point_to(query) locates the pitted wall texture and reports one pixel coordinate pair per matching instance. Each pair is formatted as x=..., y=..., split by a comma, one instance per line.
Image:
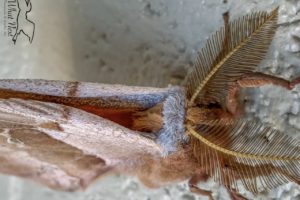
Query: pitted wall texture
x=146, y=43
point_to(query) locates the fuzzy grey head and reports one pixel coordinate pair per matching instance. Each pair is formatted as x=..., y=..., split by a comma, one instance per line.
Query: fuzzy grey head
x=173, y=131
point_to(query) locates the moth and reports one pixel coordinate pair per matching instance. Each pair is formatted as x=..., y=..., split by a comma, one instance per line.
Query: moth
x=65, y=135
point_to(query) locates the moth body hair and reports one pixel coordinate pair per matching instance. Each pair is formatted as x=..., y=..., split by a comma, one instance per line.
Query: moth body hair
x=173, y=131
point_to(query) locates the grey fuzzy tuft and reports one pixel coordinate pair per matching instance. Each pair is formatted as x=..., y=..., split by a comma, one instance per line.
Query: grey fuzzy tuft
x=173, y=131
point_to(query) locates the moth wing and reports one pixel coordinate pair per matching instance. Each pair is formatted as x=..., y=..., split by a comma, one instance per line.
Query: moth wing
x=63, y=147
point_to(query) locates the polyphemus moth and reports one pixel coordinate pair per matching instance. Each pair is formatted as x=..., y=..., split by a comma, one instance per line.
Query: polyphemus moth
x=67, y=134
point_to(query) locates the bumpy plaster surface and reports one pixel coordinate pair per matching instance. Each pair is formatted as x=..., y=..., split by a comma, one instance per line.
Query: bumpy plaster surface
x=149, y=43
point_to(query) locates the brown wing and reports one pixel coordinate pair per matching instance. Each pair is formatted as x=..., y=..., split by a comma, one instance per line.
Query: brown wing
x=63, y=147
x=124, y=105
x=66, y=134
x=114, y=102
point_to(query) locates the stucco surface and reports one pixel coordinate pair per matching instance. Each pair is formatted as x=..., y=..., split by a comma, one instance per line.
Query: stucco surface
x=146, y=43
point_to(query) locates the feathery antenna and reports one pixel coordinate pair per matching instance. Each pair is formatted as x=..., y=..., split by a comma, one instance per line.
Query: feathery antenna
x=246, y=151
x=234, y=50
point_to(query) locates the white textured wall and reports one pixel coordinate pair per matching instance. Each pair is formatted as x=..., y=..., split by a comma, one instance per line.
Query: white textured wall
x=145, y=42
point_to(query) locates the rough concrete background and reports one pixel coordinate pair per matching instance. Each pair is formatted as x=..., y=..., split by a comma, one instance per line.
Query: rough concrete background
x=146, y=42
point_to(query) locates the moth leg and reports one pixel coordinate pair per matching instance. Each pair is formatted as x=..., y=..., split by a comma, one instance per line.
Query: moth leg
x=235, y=195
x=203, y=177
x=206, y=115
x=251, y=81
x=195, y=189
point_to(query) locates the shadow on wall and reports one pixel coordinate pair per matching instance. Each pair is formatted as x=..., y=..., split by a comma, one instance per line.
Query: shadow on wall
x=147, y=43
